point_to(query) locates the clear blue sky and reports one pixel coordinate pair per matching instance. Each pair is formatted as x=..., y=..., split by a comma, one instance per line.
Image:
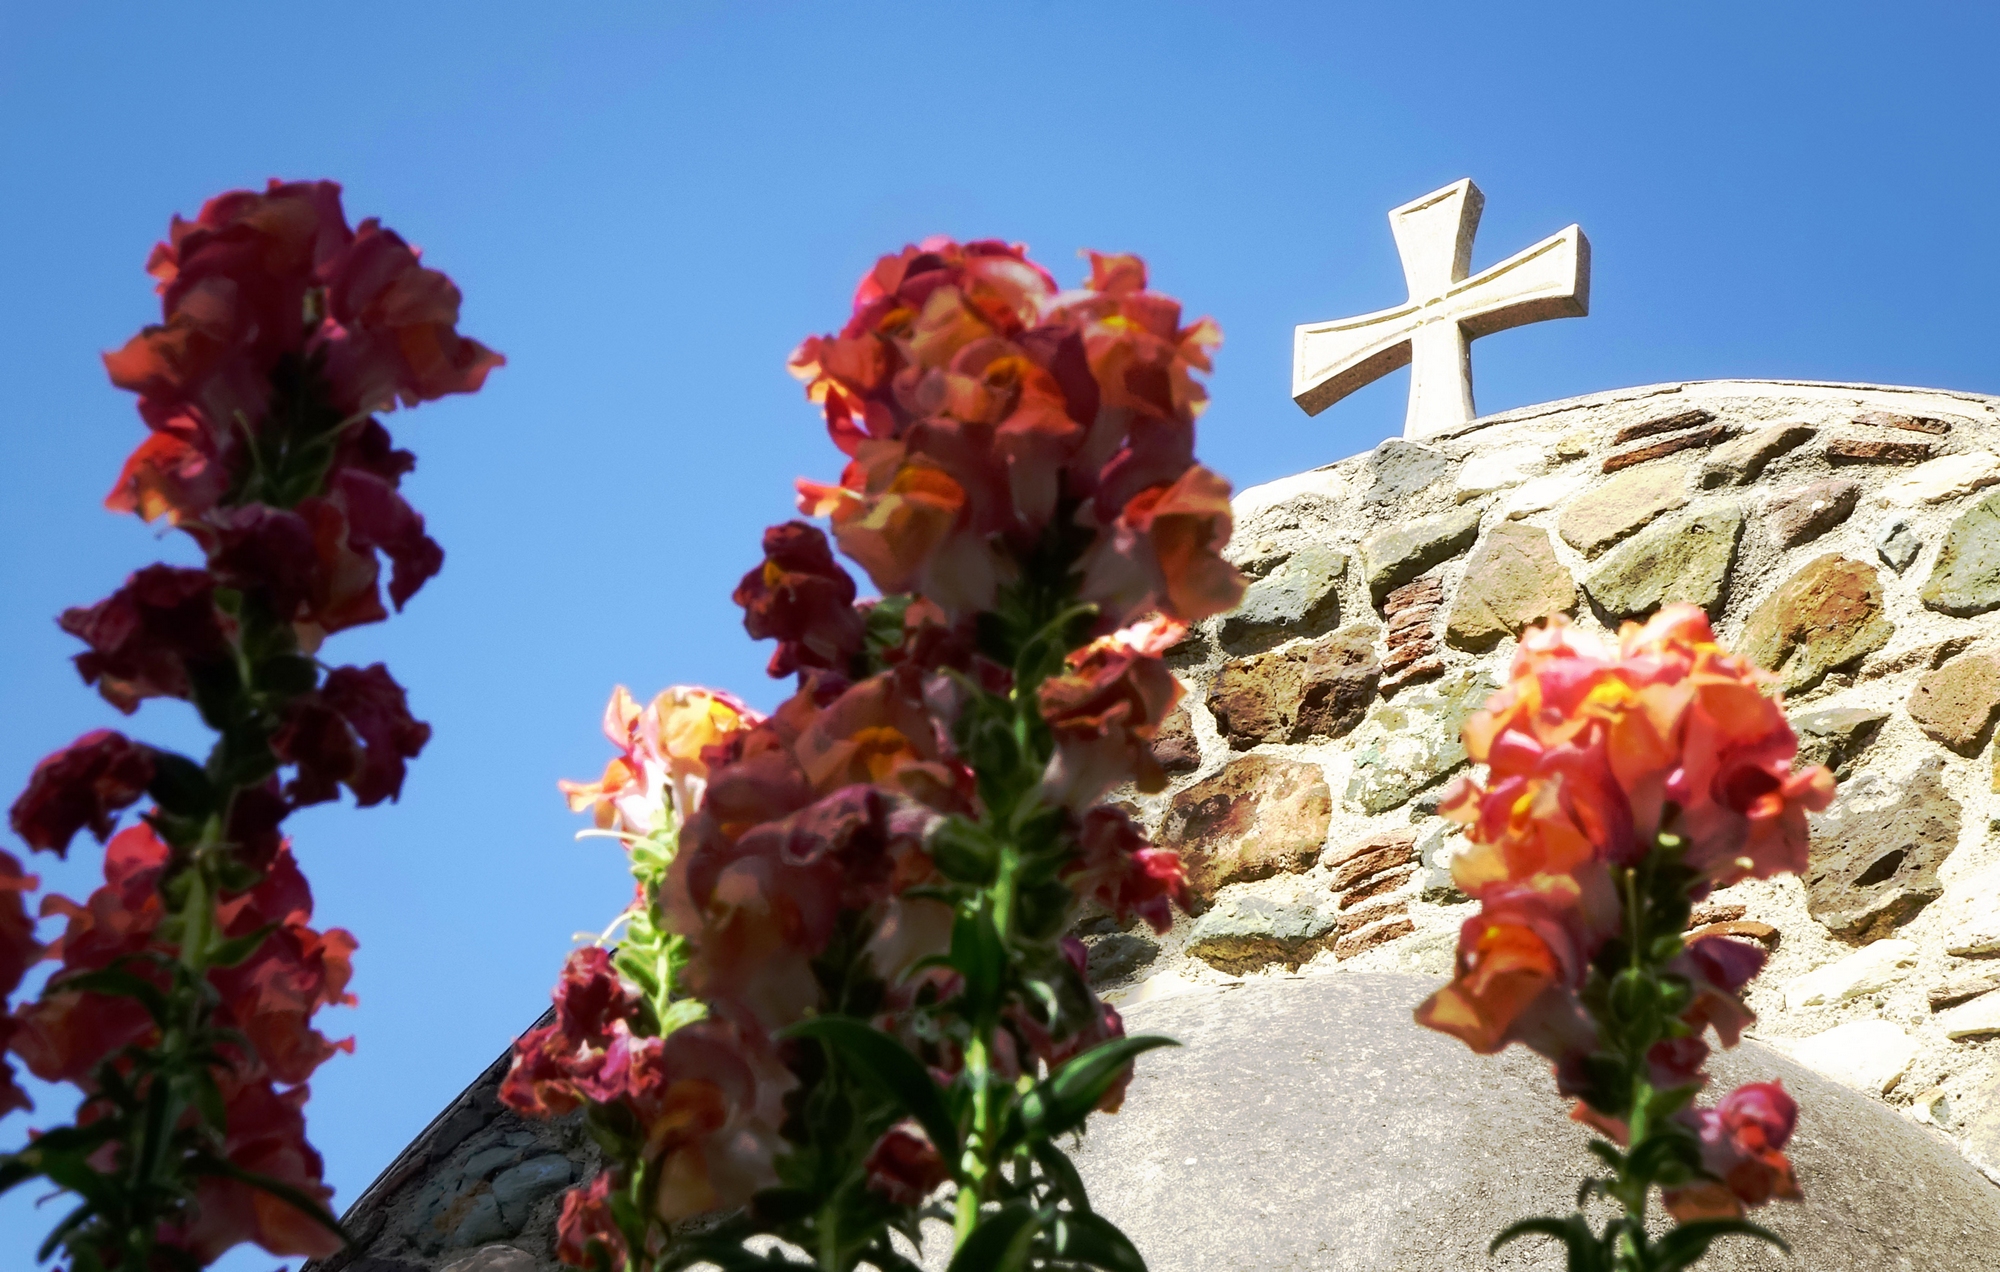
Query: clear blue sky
x=648, y=205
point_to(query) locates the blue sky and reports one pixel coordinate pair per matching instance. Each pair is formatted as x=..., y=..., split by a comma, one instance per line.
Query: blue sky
x=647, y=206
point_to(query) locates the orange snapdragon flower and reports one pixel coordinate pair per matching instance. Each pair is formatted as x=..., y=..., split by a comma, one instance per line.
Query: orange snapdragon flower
x=1592, y=753
x=659, y=773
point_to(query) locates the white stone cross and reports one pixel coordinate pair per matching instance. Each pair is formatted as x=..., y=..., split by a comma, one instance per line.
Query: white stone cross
x=1446, y=311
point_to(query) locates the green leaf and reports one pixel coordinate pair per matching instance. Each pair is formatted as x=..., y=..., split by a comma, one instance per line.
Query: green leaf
x=1000, y=1242
x=209, y=1164
x=180, y=785
x=71, y=1222
x=979, y=957
x=1686, y=1244
x=237, y=948
x=964, y=853
x=1094, y=1240
x=117, y=984
x=1061, y=1101
x=1061, y=1174
x=1585, y=1254
x=886, y=1067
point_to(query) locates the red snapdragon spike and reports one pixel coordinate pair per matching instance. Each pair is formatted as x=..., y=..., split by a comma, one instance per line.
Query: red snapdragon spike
x=803, y=599
x=707, y=1099
x=65, y=1034
x=233, y=288
x=144, y=637
x=391, y=330
x=265, y=1133
x=19, y=950
x=904, y=1166
x=551, y=1061
x=1118, y=867
x=272, y=995
x=1520, y=961
x=86, y=784
x=171, y=474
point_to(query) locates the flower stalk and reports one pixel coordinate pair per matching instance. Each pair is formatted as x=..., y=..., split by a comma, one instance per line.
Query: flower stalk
x=1623, y=785
x=182, y=1001
x=874, y=884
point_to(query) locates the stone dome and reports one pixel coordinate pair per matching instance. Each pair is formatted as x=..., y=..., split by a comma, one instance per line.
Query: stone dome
x=1846, y=536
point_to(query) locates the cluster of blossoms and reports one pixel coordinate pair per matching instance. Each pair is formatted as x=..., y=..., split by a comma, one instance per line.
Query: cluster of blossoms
x=1623, y=785
x=183, y=992
x=845, y=980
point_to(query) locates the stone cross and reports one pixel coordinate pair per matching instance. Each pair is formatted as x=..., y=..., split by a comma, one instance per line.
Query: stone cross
x=1432, y=331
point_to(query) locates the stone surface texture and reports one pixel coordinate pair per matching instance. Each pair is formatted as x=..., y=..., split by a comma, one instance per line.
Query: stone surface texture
x=1393, y=1149
x=1513, y=579
x=1827, y=615
x=1262, y=815
x=1271, y=822
x=1966, y=579
x=1686, y=557
x=1804, y=513
x=1321, y=688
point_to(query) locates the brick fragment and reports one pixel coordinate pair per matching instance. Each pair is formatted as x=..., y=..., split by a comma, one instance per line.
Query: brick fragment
x=1667, y=424
x=1913, y=423
x=1857, y=450
x=1360, y=942
x=1687, y=441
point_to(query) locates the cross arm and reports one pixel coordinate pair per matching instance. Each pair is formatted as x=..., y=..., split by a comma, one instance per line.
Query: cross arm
x=1549, y=280
x=1332, y=359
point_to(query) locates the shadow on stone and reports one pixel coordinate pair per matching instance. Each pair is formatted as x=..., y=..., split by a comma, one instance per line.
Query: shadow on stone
x=1308, y=1123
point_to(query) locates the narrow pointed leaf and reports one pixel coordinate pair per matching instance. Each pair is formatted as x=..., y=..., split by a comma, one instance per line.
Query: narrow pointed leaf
x=1686, y=1244
x=886, y=1066
x=1064, y=1099
x=1000, y=1242
x=1093, y=1240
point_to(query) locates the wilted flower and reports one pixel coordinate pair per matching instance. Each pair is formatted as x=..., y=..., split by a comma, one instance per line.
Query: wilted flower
x=86, y=784
x=1105, y=710
x=904, y=1165
x=1742, y=1145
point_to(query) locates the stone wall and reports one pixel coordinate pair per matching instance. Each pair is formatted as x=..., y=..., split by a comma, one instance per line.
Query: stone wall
x=1846, y=536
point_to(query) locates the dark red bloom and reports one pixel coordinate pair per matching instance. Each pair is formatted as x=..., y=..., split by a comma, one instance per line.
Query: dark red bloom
x=65, y=1033
x=86, y=783
x=549, y=1061
x=265, y=552
x=586, y=1221
x=803, y=599
x=391, y=330
x=1104, y=711
x=1742, y=1146
x=265, y=1134
x=144, y=637
x=271, y=996
x=355, y=730
x=1118, y=867
x=18, y=951
x=904, y=1166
